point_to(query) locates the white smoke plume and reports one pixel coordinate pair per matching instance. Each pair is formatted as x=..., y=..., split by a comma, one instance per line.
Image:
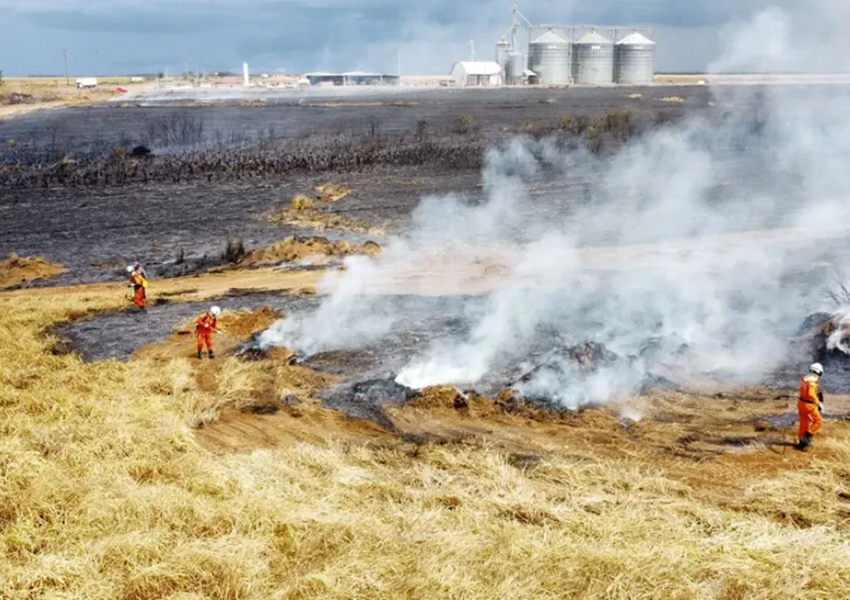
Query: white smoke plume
x=711, y=236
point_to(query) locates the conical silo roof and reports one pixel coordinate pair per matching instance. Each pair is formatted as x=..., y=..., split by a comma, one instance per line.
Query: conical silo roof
x=635, y=39
x=594, y=37
x=550, y=37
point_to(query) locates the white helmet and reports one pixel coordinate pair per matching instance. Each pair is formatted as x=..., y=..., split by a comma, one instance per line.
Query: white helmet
x=817, y=369
x=130, y=268
x=215, y=311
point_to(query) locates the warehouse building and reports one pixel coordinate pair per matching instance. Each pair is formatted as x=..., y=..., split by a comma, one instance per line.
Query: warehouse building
x=478, y=73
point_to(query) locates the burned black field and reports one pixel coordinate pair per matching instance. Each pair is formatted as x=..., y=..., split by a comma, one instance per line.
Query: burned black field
x=173, y=125
x=73, y=193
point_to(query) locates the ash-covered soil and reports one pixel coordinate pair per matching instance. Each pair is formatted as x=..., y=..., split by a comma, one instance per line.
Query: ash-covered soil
x=182, y=228
x=80, y=205
x=95, y=232
x=118, y=335
x=551, y=354
x=171, y=229
x=297, y=116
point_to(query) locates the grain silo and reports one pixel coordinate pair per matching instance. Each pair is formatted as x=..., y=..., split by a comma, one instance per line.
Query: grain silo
x=503, y=53
x=593, y=60
x=634, y=60
x=516, y=68
x=550, y=57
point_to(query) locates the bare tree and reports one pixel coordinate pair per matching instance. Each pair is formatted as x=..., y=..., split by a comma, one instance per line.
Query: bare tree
x=840, y=294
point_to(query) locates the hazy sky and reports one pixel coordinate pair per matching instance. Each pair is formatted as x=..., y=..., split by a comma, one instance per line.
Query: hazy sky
x=129, y=36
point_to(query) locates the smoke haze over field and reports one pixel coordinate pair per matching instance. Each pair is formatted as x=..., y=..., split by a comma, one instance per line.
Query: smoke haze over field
x=670, y=248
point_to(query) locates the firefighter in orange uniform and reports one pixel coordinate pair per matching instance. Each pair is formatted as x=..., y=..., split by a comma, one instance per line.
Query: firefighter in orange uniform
x=810, y=406
x=205, y=326
x=139, y=283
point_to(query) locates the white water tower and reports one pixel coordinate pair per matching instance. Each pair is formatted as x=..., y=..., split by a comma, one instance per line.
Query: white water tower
x=245, y=79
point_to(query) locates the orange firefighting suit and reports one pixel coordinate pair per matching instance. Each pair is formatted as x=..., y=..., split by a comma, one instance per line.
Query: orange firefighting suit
x=139, y=284
x=206, y=326
x=808, y=407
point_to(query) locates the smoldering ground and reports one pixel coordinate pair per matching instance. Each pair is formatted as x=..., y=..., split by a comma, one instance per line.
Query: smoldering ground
x=710, y=241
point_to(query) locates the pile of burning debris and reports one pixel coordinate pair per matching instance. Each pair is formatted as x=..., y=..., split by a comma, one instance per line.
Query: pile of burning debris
x=825, y=338
x=254, y=350
x=826, y=335
x=567, y=378
x=367, y=399
x=590, y=373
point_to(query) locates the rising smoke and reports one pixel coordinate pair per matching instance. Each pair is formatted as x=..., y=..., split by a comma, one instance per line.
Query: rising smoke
x=713, y=236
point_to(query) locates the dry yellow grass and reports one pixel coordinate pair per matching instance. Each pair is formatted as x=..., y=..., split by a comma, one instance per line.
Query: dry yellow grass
x=105, y=493
x=318, y=249
x=53, y=92
x=304, y=211
x=18, y=270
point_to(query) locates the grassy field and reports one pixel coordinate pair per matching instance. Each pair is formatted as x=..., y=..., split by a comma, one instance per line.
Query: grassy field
x=52, y=92
x=107, y=492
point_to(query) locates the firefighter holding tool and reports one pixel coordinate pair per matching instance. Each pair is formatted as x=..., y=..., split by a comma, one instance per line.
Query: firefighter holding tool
x=205, y=326
x=810, y=407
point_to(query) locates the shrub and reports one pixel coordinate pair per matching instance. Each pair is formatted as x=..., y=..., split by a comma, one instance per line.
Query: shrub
x=234, y=251
x=465, y=124
x=421, y=131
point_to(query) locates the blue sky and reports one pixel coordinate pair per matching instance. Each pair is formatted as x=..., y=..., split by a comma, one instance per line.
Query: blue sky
x=131, y=36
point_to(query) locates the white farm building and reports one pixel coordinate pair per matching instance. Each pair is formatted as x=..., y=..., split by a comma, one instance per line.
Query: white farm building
x=466, y=73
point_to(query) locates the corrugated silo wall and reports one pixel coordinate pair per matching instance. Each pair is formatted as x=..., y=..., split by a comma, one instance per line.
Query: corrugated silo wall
x=551, y=62
x=634, y=64
x=593, y=64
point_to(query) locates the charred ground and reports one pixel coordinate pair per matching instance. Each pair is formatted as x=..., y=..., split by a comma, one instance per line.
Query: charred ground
x=76, y=192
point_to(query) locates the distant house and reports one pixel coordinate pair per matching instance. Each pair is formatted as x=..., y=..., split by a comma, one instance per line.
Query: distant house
x=483, y=73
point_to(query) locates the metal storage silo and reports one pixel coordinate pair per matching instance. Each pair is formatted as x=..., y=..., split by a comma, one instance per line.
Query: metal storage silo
x=516, y=68
x=593, y=60
x=634, y=60
x=503, y=53
x=550, y=57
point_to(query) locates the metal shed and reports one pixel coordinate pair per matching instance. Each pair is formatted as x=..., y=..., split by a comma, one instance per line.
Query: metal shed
x=480, y=73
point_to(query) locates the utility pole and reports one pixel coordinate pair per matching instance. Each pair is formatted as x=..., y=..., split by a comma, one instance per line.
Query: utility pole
x=67, y=78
